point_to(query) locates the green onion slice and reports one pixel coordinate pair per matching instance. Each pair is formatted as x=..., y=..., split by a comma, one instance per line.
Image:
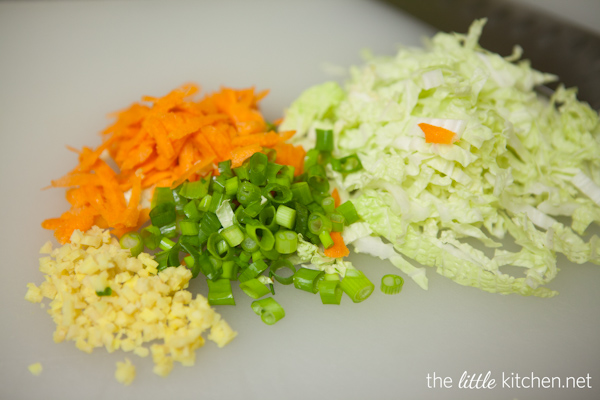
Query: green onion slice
x=356, y=285
x=279, y=265
x=286, y=242
x=132, y=241
x=219, y=292
x=330, y=291
x=308, y=279
x=324, y=140
x=254, y=288
x=391, y=284
x=269, y=310
x=347, y=164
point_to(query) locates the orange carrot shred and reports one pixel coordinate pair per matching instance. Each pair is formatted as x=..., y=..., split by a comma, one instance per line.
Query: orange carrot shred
x=336, y=197
x=164, y=142
x=339, y=248
x=437, y=134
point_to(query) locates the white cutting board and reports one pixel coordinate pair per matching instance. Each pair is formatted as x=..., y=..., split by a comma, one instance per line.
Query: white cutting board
x=65, y=65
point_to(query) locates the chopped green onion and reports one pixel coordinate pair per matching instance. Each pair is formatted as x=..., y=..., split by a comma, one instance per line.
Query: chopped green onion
x=284, y=176
x=162, y=195
x=180, y=201
x=356, y=285
x=261, y=235
x=215, y=202
x=270, y=153
x=163, y=214
x=253, y=270
x=225, y=169
x=324, y=140
x=286, y=242
x=246, y=256
x=308, y=279
x=247, y=193
x=285, y=216
x=302, y=213
x=233, y=235
x=210, y=267
x=315, y=207
x=242, y=172
x=277, y=193
x=217, y=246
x=166, y=244
x=240, y=216
x=208, y=225
x=318, y=223
x=269, y=310
x=282, y=264
x=337, y=221
x=152, y=237
x=132, y=241
x=106, y=292
x=219, y=292
x=272, y=170
x=257, y=255
x=254, y=208
x=328, y=204
x=194, y=190
x=189, y=228
x=204, y=204
x=230, y=270
x=169, y=230
x=194, y=263
x=162, y=259
x=316, y=178
x=254, y=288
x=190, y=240
x=173, y=258
x=330, y=289
x=249, y=245
x=348, y=211
x=391, y=284
x=191, y=211
x=347, y=164
x=231, y=186
x=218, y=183
x=267, y=218
x=272, y=254
x=311, y=158
x=301, y=193
x=326, y=239
x=257, y=168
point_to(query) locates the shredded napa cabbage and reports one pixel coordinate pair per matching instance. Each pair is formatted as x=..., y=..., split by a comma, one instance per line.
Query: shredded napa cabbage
x=521, y=161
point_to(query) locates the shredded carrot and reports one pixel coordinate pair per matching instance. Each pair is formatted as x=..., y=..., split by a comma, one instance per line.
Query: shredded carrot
x=437, y=134
x=336, y=197
x=164, y=142
x=339, y=248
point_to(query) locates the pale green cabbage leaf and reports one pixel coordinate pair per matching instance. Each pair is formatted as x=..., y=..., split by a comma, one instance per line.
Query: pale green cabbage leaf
x=521, y=163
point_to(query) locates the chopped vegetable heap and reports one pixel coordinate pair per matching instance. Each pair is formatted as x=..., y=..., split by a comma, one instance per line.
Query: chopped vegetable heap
x=252, y=220
x=457, y=147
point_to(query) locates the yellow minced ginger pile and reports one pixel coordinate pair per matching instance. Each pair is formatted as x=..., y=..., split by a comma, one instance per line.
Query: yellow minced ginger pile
x=145, y=305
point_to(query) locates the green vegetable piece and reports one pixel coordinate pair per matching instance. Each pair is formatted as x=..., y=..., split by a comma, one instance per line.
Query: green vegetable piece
x=105, y=292
x=391, y=284
x=308, y=279
x=132, y=241
x=269, y=310
x=219, y=292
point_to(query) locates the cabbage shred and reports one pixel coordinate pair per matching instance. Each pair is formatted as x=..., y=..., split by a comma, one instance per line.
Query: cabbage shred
x=520, y=163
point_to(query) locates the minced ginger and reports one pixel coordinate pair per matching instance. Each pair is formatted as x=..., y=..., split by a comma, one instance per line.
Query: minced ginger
x=145, y=305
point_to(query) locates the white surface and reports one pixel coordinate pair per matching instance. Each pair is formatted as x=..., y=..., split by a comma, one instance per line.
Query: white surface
x=64, y=66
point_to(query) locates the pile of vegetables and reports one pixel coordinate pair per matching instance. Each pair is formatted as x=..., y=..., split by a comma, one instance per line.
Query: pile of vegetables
x=457, y=147
x=249, y=220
